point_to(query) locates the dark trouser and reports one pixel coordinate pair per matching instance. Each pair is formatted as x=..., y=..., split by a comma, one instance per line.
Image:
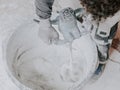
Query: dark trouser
x=44, y=8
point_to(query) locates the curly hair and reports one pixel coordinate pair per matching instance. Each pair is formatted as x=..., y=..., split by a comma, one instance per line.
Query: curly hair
x=101, y=8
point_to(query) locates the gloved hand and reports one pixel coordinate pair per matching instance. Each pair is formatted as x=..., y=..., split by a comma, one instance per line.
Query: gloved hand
x=46, y=32
x=103, y=53
x=67, y=24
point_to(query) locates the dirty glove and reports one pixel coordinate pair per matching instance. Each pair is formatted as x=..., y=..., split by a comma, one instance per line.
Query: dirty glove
x=46, y=32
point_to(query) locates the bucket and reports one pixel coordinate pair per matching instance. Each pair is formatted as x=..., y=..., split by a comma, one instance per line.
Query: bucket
x=34, y=65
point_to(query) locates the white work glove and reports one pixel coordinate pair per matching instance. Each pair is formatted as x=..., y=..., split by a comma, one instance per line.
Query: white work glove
x=46, y=32
x=67, y=24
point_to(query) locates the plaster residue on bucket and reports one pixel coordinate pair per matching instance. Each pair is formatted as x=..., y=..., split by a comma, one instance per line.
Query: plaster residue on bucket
x=48, y=67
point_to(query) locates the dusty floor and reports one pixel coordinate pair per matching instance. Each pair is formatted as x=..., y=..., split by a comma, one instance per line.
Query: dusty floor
x=13, y=13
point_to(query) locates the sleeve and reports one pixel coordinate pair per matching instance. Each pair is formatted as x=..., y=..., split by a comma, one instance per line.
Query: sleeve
x=108, y=27
x=44, y=8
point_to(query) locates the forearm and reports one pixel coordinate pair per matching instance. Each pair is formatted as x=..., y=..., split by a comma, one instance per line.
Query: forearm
x=44, y=8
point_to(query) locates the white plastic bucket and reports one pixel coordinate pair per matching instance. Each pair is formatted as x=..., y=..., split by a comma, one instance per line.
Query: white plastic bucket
x=36, y=65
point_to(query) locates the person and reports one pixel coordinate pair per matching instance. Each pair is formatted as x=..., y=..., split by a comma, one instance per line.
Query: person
x=48, y=34
x=116, y=41
x=105, y=16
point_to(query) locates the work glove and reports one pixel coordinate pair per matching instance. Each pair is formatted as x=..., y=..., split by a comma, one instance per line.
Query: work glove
x=47, y=33
x=67, y=25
